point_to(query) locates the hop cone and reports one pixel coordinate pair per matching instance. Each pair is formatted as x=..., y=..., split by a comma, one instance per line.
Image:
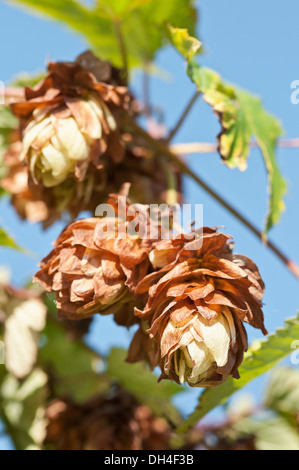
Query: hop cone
x=197, y=303
x=95, y=267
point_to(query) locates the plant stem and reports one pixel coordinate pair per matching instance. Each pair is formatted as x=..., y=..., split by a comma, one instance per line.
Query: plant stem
x=146, y=91
x=122, y=48
x=183, y=116
x=193, y=148
x=206, y=147
x=172, y=194
x=163, y=149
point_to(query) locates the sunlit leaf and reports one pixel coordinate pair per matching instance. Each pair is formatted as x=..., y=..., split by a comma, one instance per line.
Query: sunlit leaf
x=138, y=380
x=75, y=367
x=21, y=336
x=22, y=409
x=139, y=24
x=270, y=434
x=283, y=393
x=187, y=45
x=242, y=118
x=7, y=241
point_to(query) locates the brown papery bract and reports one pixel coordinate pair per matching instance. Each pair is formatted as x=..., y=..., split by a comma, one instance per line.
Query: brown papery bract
x=73, y=149
x=93, y=270
x=36, y=203
x=197, y=303
x=68, y=122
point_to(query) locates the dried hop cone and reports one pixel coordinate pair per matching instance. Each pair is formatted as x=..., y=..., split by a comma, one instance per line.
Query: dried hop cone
x=96, y=265
x=117, y=422
x=197, y=303
x=69, y=120
x=73, y=147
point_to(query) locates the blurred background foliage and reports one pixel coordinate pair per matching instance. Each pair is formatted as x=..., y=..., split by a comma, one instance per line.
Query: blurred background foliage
x=52, y=362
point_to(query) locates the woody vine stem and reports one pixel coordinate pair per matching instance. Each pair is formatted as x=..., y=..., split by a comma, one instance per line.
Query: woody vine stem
x=174, y=152
x=162, y=148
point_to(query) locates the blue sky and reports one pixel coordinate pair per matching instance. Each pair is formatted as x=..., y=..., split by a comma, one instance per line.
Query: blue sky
x=253, y=44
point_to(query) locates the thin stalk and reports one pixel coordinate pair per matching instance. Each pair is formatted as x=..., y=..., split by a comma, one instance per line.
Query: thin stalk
x=207, y=147
x=163, y=149
x=146, y=91
x=172, y=194
x=123, y=49
x=183, y=116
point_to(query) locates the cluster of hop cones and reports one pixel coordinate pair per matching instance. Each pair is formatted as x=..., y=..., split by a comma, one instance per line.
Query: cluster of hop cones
x=188, y=293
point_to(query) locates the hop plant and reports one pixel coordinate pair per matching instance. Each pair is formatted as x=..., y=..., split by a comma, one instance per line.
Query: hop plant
x=72, y=149
x=68, y=121
x=197, y=303
x=96, y=265
x=82, y=134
